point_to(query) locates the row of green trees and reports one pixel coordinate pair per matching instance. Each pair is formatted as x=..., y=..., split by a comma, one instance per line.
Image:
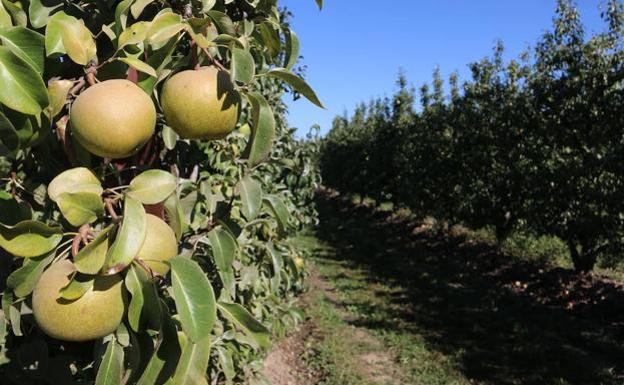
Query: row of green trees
x=536, y=142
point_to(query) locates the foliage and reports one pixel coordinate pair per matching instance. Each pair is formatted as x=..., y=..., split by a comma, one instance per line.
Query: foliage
x=232, y=203
x=536, y=141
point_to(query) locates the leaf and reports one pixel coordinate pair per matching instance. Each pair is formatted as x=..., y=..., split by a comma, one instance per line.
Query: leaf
x=251, y=196
x=25, y=43
x=5, y=18
x=66, y=34
x=270, y=37
x=39, y=14
x=263, y=130
x=111, y=368
x=194, y=298
x=152, y=186
x=137, y=8
x=164, y=27
x=144, y=304
x=319, y=3
x=22, y=88
x=77, y=287
x=139, y=65
x=224, y=248
x=8, y=135
x=244, y=320
x=57, y=94
x=297, y=83
x=80, y=207
x=90, y=258
x=292, y=49
x=280, y=211
x=193, y=363
x=175, y=214
x=223, y=22
x=79, y=179
x=17, y=13
x=170, y=137
x=163, y=362
x=29, y=238
x=129, y=239
x=136, y=34
x=243, y=65
x=12, y=211
x=23, y=280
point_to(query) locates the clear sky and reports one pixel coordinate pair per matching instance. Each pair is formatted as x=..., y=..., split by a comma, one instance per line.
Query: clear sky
x=354, y=48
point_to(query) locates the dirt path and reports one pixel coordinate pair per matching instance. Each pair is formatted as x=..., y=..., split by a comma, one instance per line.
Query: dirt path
x=293, y=360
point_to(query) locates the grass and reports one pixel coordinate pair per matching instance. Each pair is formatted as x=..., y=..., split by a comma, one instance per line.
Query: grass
x=455, y=310
x=342, y=315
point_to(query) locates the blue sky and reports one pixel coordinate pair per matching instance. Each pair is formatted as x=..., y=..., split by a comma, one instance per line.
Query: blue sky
x=354, y=48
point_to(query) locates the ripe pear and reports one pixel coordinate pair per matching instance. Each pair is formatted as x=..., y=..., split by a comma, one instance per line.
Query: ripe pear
x=201, y=104
x=159, y=246
x=113, y=119
x=94, y=315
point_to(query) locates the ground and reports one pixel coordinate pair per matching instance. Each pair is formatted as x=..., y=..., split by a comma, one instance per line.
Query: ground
x=391, y=302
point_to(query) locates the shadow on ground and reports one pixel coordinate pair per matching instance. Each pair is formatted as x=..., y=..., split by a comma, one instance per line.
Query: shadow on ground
x=505, y=322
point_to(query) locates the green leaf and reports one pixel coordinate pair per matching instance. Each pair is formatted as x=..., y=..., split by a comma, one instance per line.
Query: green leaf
x=164, y=27
x=66, y=34
x=57, y=94
x=292, y=49
x=136, y=34
x=111, y=368
x=270, y=37
x=5, y=18
x=8, y=135
x=39, y=14
x=77, y=287
x=223, y=22
x=319, y=3
x=163, y=362
x=194, y=298
x=12, y=211
x=297, y=83
x=23, y=280
x=22, y=88
x=193, y=363
x=243, y=65
x=79, y=179
x=251, y=196
x=170, y=137
x=224, y=248
x=152, y=186
x=29, y=238
x=80, y=207
x=129, y=239
x=17, y=13
x=90, y=258
x=137, y=8
x=139, y=66
x=244, y=320
x=175, y=214
x=25, y=43
x=262, y=132
x=280, y=211
x=144, y=305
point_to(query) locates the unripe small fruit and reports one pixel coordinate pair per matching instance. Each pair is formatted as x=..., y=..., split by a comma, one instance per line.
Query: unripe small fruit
x=94, y=315
x=113, y=119
x=201, y=104
x=159, y=246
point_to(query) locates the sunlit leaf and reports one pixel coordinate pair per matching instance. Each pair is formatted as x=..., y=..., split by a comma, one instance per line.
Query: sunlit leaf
x=262, y=132
x=251, y=196
x=111, y=367
x=191, y=369
x=244, y=320
x=25, y=43
x=129, y=239
x=194, y=298
x=22, y=87
x=29, y=238
x=90, y=258
x=297, y=83
x=152, y=186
